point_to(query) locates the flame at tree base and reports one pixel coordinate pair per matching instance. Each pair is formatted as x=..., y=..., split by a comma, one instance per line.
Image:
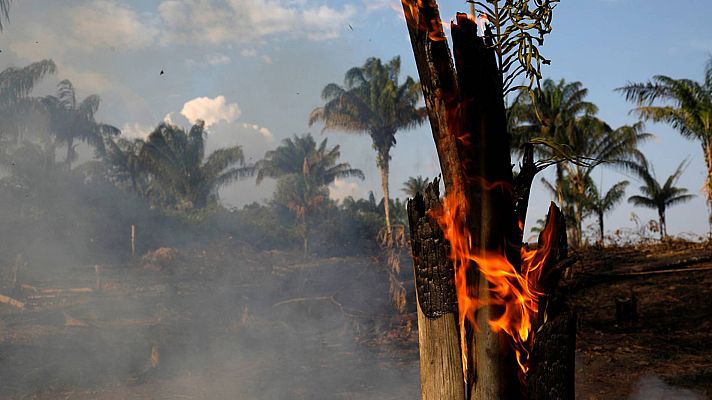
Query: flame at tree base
x=514, y=293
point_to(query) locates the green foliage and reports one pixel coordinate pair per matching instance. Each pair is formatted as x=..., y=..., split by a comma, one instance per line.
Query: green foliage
x=660, y=196
x=181, y=176
x=72, y=120
x=684, y=104
x=601, y=205
x=519, y=30
x=15, y=87
x=572, y=138
x=415, y=184
x=374, y=102
x=304, y=171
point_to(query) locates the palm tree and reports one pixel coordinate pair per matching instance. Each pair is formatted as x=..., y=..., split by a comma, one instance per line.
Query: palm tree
x=374, y=102
x=4, y=12
x=72, y=120
x=593, y=143
x=575, y=139
x=683, y=103
x=181, y=174
x=660, y=197
x=602, y=205
x=123, y=158
x=304, y=171
x=15, y=85
x=415, y=185
x=550, y=115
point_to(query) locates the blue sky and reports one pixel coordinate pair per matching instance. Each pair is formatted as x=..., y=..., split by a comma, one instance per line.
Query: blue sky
x=255, y=68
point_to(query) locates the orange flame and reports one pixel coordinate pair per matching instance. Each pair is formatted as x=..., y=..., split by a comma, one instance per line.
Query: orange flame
x=413, y=14
x=515, y=292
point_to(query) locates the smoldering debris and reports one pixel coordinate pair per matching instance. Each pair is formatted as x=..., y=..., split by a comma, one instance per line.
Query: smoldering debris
x=260, y=325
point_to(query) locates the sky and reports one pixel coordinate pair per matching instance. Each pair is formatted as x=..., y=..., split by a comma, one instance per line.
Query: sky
x=254, y=69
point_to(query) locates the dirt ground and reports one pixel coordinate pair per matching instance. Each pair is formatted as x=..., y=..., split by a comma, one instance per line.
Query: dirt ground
x=671, y=343
x=228, y=323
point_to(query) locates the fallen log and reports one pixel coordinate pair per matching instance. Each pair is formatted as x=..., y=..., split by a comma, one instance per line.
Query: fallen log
x=11, y=302
x=590, y=280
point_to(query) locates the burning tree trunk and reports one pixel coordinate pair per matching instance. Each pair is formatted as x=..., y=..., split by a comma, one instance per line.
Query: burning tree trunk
x=482, y=218
x=440, y=359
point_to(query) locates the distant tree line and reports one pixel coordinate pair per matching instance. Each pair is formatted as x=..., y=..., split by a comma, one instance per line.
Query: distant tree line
x=168, y=176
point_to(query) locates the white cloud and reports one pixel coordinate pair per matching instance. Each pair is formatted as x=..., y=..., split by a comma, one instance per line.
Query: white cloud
x=210, y=110
x=342, y=189
x=92, y=26
x=377, y=5
x=218, y=59
x=219, y=22
x=109, y=24
x=248, y=53
x=135, y=131
x=266, y=134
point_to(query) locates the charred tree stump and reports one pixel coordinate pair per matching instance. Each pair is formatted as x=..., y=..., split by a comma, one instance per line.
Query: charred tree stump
x=467, y=116
x=552, y=375
x=627, y=309
x=552, y=364
x=440, y=359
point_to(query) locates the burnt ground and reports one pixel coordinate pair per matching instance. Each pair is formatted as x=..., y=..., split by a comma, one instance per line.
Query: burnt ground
x=228, y=323
x=672, y=339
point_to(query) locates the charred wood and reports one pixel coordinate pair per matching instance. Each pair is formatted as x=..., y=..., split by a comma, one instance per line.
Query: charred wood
x=441, y=375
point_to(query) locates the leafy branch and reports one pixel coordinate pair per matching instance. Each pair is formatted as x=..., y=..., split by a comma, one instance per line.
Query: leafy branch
x=519, y=30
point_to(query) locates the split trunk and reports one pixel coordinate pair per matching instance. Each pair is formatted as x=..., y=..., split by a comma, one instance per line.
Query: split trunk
x=465, y=104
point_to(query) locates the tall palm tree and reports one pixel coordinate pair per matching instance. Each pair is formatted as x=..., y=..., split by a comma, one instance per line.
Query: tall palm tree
x=594, y=143
x=550, y=115
x=603, y=204
x=374, y=102
x=415, y=184
x=560, y=117
x=660, y=197
x=304, y=170
x=74, y=120
x=684, y=104
x=15, y=87
x=182, y=176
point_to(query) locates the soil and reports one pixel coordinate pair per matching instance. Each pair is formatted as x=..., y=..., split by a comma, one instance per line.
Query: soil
x=225, y=322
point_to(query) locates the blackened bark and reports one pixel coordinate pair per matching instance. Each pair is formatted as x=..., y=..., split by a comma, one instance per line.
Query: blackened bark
x=552, y=361
x=468, y=120
x=552, y=374
x=441, y=374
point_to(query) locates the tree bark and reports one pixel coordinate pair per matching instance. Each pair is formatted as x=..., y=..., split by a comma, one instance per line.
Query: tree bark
x=384, y=167
x=600, y=225
x=441, y=375
x=468, y=120
x=70, y=150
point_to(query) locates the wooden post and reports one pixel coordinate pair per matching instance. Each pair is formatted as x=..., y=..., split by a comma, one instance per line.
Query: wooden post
x=441, y=376
x=133, y=240
x=97, y=273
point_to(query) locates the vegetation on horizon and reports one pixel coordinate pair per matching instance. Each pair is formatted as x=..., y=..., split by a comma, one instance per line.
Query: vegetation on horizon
x=374, y=102
x=169, y=177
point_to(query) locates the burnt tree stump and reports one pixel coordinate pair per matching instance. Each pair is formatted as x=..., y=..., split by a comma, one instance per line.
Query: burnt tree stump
x=438, y=338
x=466, y=109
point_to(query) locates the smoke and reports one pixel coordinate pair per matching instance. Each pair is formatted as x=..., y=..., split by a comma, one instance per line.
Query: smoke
x=653, y=388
